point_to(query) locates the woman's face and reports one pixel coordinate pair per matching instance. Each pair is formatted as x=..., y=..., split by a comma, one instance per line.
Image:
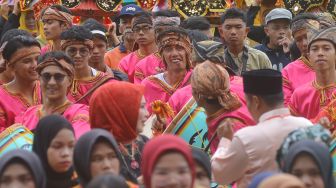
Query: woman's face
x=142, y=117
x=55, y=82
x=17, y=175
x=202, y=178
x=104, y=159
x=305, y=168
x=25, y=67
x=60, y=151
x=30, y=20
x=171, y=171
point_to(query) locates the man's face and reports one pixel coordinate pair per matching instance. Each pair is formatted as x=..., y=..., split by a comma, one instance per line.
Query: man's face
x=99, y=50
x=53, y=29
x=125, y=23
x=144, y=33
x=322, y=55
x=301, y=41
x=80, y=54
x=276, y=30
x=234, y=31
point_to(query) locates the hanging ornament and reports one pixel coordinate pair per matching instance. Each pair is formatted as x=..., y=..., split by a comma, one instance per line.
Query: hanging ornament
x=300, y=6
x=217, y=5
x=108, y=5
x=70, y=3
x=191, y=8
x=147, y=4
x=76, y=20
x=42, y=4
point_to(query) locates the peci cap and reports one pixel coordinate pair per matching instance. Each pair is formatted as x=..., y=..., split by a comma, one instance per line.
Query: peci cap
x=262, y=82
x=129, y=10
x=278, y=13
x=328, y=34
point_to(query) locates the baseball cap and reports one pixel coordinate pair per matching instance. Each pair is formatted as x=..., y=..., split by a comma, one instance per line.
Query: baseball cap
x=130, y=10
x=278, y=13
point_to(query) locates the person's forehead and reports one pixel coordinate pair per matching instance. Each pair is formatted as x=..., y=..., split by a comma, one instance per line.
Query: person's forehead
x=279, y=22
x=126, y=18
x=234, y=21
x=322, y=42
x=143, y=25
x=78, y=46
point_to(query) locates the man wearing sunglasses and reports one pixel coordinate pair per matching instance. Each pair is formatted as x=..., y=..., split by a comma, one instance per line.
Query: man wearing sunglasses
x=142, y=27
x=77, y=43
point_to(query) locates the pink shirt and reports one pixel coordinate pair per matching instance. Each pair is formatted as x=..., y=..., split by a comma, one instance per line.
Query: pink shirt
x=148, y=66
x=296, y=74
x=127, y=65
x=308, y=100
x=253, y=149
x=76, y=114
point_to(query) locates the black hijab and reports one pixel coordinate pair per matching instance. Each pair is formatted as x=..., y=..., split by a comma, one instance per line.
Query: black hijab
x=28, y=159
x=83, y=151
x=107, y=180
x=46, y=130
x=201, y=158
x=319, y=152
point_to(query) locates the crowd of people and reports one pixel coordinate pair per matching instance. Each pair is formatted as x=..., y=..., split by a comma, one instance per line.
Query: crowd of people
x=88, y=94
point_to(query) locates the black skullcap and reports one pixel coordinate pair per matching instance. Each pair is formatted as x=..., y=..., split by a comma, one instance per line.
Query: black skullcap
x=262, y=82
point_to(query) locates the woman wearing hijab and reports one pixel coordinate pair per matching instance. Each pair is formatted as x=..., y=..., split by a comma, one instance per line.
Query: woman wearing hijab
x=203, y=168
x=119, y=107
x=24, y=167
x=158, y=170
x=311, y=162
x=54, y=141
x=56, y=75
x=107, y=180
x=97, y=153
x=282, y=181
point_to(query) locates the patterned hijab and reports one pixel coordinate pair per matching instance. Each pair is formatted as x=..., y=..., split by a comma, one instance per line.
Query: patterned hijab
x=212, y=81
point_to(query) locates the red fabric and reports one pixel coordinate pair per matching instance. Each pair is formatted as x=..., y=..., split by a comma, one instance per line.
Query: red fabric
x=115, y=107
x=157, y=147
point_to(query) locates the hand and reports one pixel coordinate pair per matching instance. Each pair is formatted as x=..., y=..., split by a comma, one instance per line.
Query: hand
x=112, y=33
x=158, y=125
x=225, y=129
x=285, y=43
x=4, y=9
x=17, y=8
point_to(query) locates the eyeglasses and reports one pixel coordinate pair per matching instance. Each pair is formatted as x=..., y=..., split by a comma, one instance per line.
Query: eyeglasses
x=73, y=52
x=46, y=77
x=144, y=29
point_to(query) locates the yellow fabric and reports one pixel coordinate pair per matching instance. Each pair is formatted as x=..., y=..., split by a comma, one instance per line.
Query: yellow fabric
x=23, y=24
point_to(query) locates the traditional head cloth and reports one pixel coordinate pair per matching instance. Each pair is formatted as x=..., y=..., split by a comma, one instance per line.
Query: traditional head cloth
x=108, y=180
x=282, y=181
x=262, y=82
x=320, y=154
x=30, y=160
x=83, y=152
x=121, y=114
x=175, y=36
x=164, y=20
x=46, y=130
x=300, y=6
x=316, y=133
x=201, y=158
x=141, y=20
x=68, y=68
x=158, y=147
x=208, y=50
x=54, y=14
x=328, y=34
x=212, y=81
x=326, y=19
x=66, y=43
x=259, y=178
x=308, y=24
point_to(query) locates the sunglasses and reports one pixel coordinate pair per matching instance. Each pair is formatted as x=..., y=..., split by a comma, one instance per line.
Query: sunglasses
x=46, y=77
x=72, y=52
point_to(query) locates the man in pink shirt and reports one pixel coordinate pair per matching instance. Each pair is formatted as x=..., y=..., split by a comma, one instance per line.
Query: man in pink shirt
x=300, y=71
x=251, y=150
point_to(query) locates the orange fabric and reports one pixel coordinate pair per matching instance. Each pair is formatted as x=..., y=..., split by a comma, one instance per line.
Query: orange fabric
x=115, y=107
x=112, y=58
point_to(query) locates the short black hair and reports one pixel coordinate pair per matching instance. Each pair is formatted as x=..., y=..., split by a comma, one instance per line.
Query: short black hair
x=8, y=35
x=166, y=13
x=92, y=25
x=16, y=43
x=305, y=16
x=197, y=23
x=233, y=13
x=271, y=100
x=57, y=55
x=58, y=7
x=79, y=33
x=197, y=36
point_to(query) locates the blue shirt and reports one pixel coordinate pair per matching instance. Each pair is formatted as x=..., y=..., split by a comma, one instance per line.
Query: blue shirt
x=278, y=58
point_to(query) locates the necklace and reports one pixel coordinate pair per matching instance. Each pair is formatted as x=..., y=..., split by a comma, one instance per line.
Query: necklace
x=134, y=164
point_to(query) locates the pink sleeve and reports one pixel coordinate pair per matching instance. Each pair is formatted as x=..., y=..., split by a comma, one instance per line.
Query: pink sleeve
x=287, y=87
x=123, y=65
x=293, y=105
x=2, y=120
x=81, y=124
x=229, y=161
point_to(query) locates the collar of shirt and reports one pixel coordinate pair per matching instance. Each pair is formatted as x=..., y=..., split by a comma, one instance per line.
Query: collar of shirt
x=280, y=112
